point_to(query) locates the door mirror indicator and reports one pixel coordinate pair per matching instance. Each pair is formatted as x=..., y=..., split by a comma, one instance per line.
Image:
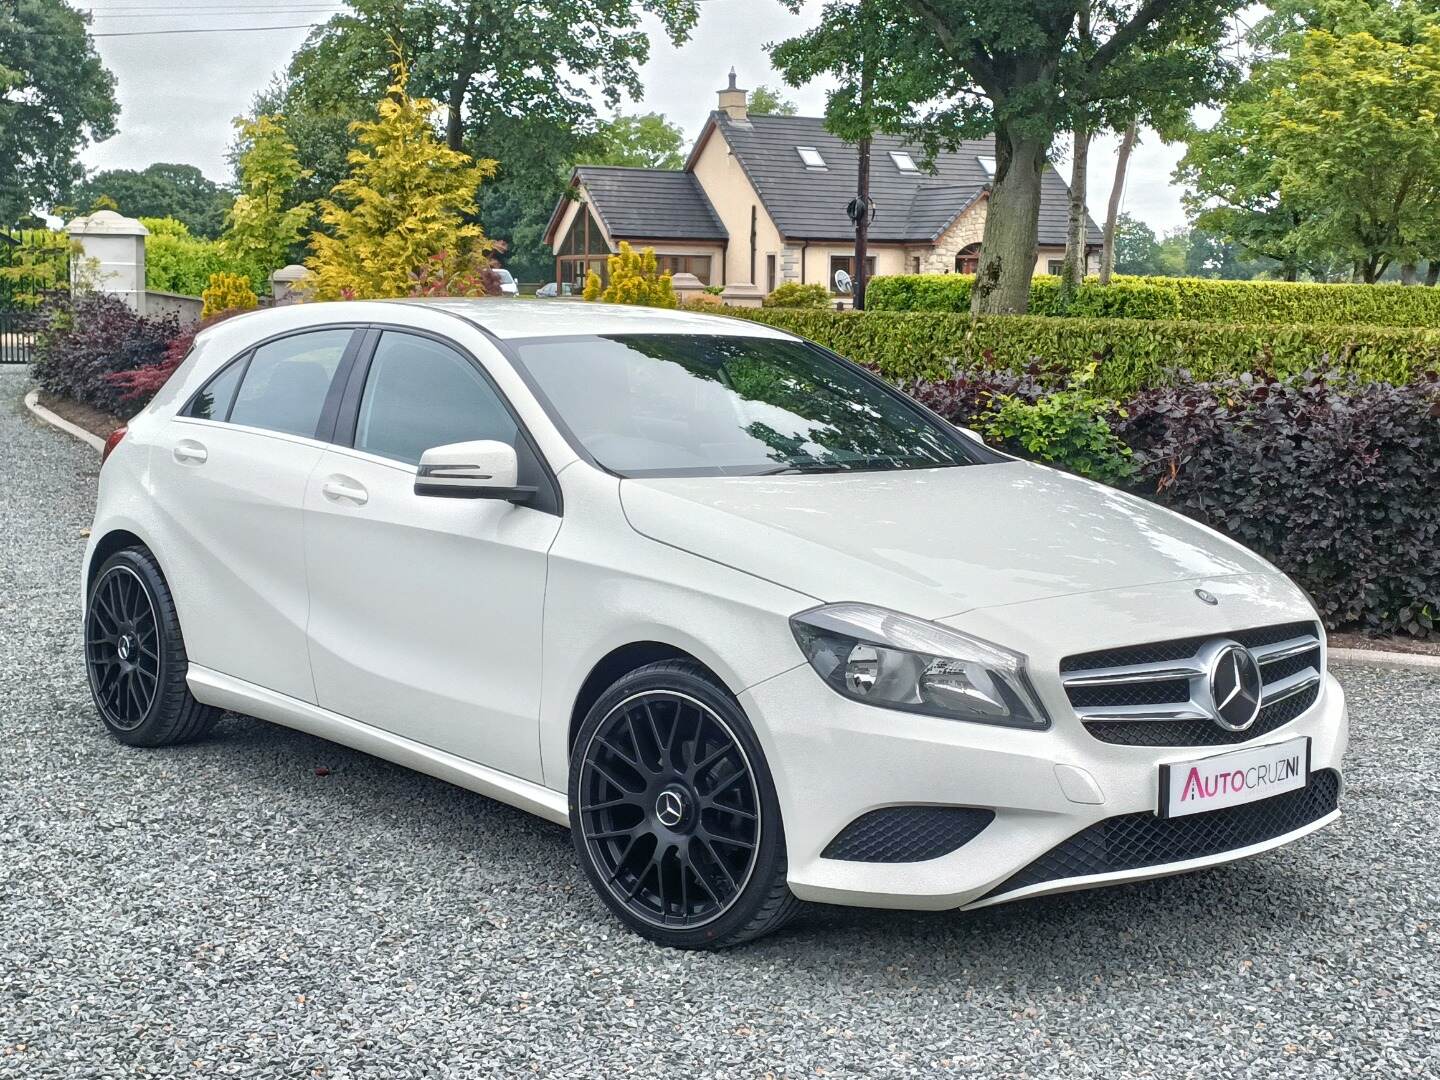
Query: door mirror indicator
x=483, y=469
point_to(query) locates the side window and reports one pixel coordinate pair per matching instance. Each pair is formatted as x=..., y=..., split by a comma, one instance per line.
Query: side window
x=213, y=401
x=420, y=393
x=286, y=382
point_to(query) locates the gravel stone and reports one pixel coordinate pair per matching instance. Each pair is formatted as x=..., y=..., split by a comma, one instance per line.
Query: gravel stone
x=265, y=904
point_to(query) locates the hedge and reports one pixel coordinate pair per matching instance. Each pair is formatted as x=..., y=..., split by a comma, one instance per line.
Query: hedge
x=1181, y=298
x=1132, y=355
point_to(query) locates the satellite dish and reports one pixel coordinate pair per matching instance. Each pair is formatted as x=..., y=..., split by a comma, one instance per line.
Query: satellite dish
x=842, y=282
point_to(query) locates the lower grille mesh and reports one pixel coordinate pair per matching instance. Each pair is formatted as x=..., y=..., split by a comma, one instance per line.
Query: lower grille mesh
x=895, y=834
x=1134, y=841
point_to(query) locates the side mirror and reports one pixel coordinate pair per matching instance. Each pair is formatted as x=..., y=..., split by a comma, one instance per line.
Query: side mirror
x=483, y=469
x=970, y=433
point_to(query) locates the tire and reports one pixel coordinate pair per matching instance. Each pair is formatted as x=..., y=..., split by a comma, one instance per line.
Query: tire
x=135, y=655
x=673, y=811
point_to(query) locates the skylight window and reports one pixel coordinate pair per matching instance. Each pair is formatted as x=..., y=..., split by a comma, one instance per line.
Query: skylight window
x=988, y=164
x=903, y=161
x=811, y=157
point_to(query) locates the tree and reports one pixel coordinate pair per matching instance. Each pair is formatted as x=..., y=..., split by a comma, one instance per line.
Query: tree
x=645, y=141
x=161, y=190
x=518, y=82
x=1354, y=131
x=263, y=224
x=1136, y=249
x=1112, y=210
x=1019, y=69
x=406, y=206
x=768, y=102
x=56, y=97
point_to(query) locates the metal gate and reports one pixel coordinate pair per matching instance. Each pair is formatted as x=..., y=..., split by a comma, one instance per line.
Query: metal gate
x=34, y=264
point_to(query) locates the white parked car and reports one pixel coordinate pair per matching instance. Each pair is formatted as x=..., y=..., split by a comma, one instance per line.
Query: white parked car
x=756, y=626
x=508, y=285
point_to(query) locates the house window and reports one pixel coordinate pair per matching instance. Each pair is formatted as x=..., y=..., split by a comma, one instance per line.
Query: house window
x=699, y=265
x=903, y=161
x=915, y=265
x=847, y=263
x=988, y=164
x=811, y=157
x=1056, y=266
x=967, y=261
x=582, y=250
x=769, y=273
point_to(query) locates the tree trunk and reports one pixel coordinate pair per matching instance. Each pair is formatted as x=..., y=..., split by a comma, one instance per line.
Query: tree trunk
x=1432, y=273
x=1112, y=211
x=1012, y=221
x=1073, y=272
x=1409, y=273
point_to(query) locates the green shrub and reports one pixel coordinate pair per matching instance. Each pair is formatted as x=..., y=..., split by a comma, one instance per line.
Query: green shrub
x=794, y=295
x=1131, y=354
x=1069, y=428
x=1180, y=298
x=227, y=292
x=177, y=262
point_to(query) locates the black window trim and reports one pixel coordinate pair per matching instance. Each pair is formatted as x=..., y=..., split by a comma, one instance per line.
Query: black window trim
x=342, y=369
x=977, y=453
x=549, y=499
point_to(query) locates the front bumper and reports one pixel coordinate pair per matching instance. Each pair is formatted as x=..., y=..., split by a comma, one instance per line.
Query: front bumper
x=834, y=760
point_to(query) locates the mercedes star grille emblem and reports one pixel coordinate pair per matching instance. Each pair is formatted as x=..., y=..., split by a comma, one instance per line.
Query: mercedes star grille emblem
x=1235, y=688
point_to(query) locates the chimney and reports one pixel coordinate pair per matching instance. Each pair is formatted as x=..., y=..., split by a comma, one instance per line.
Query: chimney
x=733, y=99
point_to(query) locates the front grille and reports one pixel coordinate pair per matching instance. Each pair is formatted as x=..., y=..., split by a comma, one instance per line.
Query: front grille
x=896, y=834
x=1156, y=694
x=1135, y=841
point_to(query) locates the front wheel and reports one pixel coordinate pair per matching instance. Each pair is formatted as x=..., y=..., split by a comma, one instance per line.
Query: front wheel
x=135, y=655
x=674, y=814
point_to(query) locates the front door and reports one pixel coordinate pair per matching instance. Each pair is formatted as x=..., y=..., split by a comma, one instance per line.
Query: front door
x=425, y=613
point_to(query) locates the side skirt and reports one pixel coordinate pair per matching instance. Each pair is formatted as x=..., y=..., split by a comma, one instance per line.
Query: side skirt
x=236, y=695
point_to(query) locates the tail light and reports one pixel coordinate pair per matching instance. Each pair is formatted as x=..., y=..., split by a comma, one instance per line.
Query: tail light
x=112, y=442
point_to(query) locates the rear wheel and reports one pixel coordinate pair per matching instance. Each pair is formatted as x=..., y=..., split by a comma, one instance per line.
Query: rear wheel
x=135, y=655
x=673, y=811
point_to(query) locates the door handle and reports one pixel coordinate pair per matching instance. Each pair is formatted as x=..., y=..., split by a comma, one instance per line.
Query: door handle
x=339, y=489
x=188, y=451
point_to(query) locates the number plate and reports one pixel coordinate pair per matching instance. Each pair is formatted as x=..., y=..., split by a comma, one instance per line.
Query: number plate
x=1245, y=776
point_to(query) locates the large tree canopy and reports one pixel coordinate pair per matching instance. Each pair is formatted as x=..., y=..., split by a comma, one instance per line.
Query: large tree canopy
x=644, y=141
x=1024, y=70
x=517, y=82
x=56, y=97
x=1331, y=149
x=161, y=190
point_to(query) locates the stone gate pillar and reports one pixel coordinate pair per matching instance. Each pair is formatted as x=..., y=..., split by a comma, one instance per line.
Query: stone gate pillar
x=111, y=257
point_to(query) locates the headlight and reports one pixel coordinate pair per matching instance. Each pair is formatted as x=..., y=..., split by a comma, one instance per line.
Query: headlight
x=896, y=661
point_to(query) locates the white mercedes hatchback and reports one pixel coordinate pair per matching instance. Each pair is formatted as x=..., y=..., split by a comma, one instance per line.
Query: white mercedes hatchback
x=759, y=628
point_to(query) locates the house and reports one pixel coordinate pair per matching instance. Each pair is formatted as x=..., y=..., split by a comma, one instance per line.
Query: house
x=761, y=200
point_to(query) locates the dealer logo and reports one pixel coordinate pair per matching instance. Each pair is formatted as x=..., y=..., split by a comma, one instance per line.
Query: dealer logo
x=1235, y=687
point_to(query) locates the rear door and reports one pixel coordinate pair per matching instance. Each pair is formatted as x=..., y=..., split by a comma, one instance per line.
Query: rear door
x=230, y=475
x=426, y=613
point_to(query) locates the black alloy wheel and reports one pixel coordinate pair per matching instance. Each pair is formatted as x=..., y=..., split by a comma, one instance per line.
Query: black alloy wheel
x=122, y=648
x=135, y=655
x=674, y=814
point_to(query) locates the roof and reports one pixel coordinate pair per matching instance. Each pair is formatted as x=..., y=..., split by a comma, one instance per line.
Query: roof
x=650, y=203
x=809, y=204
x=508, y=318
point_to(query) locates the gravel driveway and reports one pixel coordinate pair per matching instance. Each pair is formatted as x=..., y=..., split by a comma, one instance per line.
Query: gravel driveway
x=267, y=904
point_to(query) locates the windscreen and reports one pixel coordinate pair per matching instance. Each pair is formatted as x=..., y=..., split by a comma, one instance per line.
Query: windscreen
x=700, y=404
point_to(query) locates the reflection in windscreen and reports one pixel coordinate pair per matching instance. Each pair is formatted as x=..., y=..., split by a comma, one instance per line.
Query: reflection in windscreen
x=692, y=404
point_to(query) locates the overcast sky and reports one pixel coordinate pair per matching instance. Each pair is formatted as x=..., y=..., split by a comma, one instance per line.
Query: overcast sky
x=178, y=92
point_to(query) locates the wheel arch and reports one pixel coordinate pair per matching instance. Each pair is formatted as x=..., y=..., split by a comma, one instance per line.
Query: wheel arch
x=618, y=663
x=117, y=539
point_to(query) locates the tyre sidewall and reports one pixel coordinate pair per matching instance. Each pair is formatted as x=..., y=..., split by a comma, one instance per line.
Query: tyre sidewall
x=770, y=857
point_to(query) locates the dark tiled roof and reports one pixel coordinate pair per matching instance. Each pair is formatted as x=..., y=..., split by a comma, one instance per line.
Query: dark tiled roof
x=809, y=204
x=651, y=204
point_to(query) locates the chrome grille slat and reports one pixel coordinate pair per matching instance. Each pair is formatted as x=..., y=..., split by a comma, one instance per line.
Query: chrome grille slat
x=1099, y=684
x=1281, y=650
